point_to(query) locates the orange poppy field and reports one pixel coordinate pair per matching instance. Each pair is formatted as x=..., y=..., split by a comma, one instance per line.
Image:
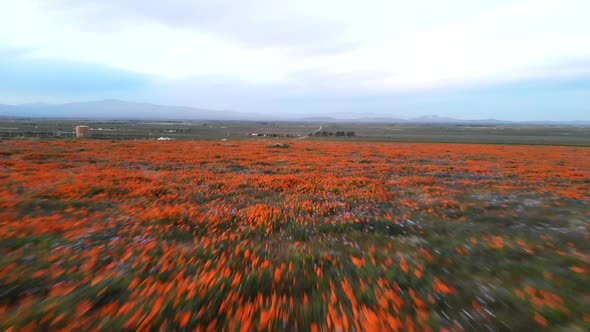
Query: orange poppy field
x=305, y=236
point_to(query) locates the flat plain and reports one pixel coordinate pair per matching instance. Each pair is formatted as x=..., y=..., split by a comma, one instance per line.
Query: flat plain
x=253, y=130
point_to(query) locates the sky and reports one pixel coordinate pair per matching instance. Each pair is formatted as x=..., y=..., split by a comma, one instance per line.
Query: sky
x=467, y=59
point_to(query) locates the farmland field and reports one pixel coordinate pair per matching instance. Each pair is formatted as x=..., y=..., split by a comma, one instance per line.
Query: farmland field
x=250, y=130
x=311, y=235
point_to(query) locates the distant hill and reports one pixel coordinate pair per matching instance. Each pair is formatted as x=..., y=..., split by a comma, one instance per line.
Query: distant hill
x=435, y=119
x=427, y=119
x=440, y=119
x=319, y=119
x=6, y=109
x=117, y=109
x=111, y=109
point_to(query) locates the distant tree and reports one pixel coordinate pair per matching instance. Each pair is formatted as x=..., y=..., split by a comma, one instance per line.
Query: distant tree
x=350, y=133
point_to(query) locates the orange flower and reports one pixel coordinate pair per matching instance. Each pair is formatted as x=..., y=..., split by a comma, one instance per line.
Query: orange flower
x=578, y=269
x=418, y=273
x=541, y=320
x=314, y=327
x=475, y=304
x=404, y=265
x=264, y=319
x=185, y=319
x=358, y=262
x=440, y=287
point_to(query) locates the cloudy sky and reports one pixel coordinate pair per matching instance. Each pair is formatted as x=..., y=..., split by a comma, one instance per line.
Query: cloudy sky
x=506, y=59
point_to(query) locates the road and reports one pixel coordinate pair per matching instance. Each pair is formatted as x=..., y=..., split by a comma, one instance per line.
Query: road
x=317, y=131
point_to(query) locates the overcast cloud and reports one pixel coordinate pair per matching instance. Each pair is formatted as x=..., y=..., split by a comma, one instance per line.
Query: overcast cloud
x=320, y=56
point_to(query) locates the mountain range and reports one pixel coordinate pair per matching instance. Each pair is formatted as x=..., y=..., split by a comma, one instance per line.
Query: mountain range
x=111, y=109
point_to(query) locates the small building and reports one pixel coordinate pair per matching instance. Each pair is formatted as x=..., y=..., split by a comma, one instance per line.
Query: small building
x=82, y=131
